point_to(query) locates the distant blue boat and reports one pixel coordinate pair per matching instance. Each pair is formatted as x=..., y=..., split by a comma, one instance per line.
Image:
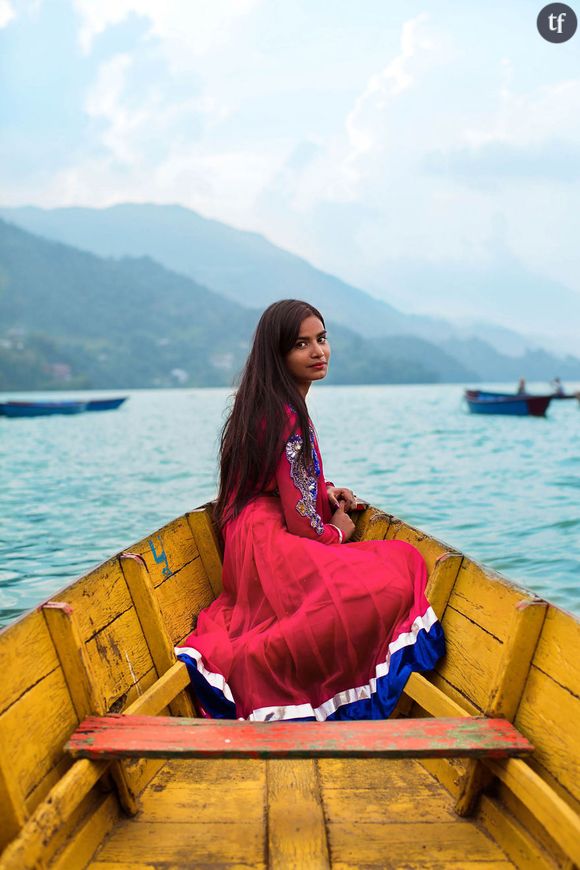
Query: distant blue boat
x=105, y=404
x=50, y=407
x=512, y=404
x=40, y=409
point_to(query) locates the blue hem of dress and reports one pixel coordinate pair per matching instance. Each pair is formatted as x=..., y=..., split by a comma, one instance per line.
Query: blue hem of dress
x=422, y=655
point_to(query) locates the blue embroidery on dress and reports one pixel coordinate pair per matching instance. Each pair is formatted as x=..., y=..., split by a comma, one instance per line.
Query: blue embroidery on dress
x=306, y=484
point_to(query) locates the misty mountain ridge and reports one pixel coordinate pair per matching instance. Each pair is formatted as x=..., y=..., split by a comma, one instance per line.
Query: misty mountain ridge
x=160, y=304
x=70, y=318
x=245, y=267
x=486, y=299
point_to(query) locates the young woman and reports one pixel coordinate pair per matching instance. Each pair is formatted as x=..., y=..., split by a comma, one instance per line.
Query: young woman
x=307, y=627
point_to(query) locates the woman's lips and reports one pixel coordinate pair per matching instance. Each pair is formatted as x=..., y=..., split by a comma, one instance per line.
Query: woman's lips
x=318, y=366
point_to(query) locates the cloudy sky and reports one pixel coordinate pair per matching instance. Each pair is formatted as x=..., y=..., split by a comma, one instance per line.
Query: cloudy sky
x=359, y=135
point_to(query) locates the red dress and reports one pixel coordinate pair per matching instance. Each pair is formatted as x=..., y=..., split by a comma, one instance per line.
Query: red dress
x=306, y=627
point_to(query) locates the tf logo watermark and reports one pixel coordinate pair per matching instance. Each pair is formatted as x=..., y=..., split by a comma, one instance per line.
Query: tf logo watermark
x=557, y=22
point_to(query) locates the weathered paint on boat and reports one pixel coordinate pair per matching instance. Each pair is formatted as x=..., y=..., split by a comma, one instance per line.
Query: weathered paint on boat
x=104, y=644
x=118, y=736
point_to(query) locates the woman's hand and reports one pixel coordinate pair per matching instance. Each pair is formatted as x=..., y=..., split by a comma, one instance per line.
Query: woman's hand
x=342, y=521
x=340, y=496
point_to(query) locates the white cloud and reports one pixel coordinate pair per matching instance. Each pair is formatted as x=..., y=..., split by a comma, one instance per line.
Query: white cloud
x=365, y=124
x=530, y=118
x=7, y=13
x=354, y=159
x=221, y=185
x=105, y=102
x=188, y=28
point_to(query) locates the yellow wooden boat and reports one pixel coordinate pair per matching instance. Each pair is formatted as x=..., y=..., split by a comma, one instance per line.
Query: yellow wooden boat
x=105, y=644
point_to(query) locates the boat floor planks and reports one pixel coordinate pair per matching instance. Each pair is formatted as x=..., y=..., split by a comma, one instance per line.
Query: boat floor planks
x=339, y=814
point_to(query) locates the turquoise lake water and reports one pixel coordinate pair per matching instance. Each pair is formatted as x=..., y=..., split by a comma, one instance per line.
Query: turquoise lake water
x=74, y=490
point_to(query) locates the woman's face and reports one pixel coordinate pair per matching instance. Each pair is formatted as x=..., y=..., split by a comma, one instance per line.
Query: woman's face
x=308, y=359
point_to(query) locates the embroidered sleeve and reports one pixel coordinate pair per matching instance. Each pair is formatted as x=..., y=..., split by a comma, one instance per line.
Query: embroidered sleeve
x=305, y=483
x=298, y=490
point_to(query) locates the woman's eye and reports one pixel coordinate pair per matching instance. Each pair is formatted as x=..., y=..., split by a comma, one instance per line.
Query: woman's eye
x=322, y=339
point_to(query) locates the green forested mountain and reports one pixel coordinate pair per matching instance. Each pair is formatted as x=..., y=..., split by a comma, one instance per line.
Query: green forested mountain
x=69, y=318
x=115, y=323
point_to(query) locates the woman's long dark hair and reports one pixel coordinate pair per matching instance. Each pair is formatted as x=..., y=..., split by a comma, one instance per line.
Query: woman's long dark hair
x=251, y=439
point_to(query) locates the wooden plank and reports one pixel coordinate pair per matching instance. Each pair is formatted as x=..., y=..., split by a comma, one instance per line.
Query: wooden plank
x=443, y=562
x=151, y=737
x=27, y=849
x=183, y=844
x=126, y=865
x=399, y=845
x=35, y=729
x=506, y=690
x=186, y=800
x=472, y=655
x=97, y=598
x=205, y=535
x=385, y=805
x=549, y=714
x=119, y=656
x=86, y=839
x=198, y=792
x=558, y=650
x=23, y=662
x=191, y=865
x=430, y=548
x=517, y=654
x=74, y=662
x=511, y=837
x=454, y=694
x=213, y=773
x=448, y=771
x=551, y=780
x=561, y=822
x=152, y=625
x=514, y=807
x=83, y=688
x=422, y=864
x=43, y=786
x=167, y=550
x=442, y=581
x=296, y=829
x=372, y=525
x=431, y=698
x=14, y=813
x=181, y=597
x=403, y=775
x=486, y=598
x=73, y=826
x=163, y=690
x=394, y=528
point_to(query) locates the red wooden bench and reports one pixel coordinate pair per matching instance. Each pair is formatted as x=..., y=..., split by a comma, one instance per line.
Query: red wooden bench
x=118, y=736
